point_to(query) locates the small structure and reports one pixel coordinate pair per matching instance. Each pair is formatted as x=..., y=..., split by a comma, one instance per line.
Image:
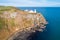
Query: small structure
x=30, y=11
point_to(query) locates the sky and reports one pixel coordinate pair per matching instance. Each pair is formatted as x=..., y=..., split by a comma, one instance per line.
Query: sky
x=30, y=3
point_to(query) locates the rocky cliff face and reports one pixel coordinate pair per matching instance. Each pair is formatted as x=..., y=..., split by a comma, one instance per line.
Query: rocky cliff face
x=15, y=22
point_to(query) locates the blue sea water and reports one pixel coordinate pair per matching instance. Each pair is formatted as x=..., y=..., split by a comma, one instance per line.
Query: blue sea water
x=52, y=15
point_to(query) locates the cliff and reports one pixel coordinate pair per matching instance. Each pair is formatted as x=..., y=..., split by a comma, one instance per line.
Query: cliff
x=13, y=20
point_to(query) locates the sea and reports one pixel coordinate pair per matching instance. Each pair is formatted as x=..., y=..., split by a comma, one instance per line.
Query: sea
x=52, y=16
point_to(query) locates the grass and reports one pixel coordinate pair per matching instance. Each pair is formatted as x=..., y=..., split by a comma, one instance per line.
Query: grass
x=2, y=20
x=12, y=22
x=2, y=23
x=5, y=8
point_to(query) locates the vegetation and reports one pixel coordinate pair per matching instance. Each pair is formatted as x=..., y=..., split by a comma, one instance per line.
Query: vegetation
x=5, y=8
x=5, y=22
x=2, y=23
x=12, y=22
x=2, y=20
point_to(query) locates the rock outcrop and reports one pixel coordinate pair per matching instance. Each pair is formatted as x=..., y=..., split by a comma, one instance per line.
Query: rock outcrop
x=14, y=22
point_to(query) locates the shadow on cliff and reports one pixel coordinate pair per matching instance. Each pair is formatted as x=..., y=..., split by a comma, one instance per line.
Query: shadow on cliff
x=38, y=36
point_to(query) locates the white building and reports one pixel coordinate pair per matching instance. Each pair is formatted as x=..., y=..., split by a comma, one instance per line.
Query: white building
x=31, y=11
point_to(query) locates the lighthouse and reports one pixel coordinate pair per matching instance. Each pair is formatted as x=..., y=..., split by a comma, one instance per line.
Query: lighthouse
x=31, y=11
